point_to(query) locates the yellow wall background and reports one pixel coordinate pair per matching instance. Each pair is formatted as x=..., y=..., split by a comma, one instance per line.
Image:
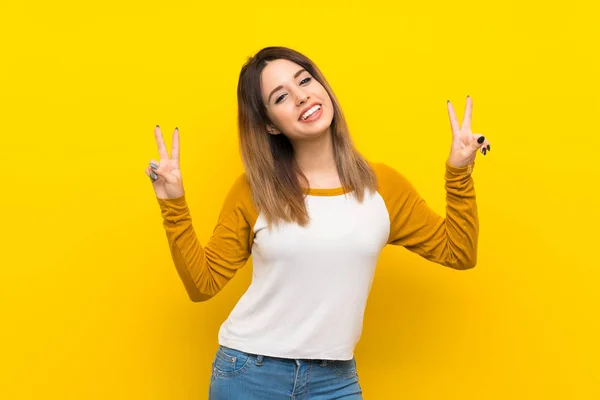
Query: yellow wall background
x=91, y=305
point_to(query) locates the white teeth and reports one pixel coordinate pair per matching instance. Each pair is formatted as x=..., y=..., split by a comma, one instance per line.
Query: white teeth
x=311, y=111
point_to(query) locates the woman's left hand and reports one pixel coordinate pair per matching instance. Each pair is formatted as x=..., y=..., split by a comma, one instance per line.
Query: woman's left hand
x=465, y=144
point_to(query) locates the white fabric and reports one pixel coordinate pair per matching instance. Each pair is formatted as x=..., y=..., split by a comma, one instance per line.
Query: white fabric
x=310, y=284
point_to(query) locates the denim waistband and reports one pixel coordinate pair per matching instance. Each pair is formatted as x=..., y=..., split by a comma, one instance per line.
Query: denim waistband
x=260, y=358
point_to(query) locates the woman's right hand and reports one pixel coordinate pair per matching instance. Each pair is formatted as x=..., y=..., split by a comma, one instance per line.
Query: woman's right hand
x=165, y=174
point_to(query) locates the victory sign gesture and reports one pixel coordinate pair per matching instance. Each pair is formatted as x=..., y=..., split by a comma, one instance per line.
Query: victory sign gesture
x=464, y=143
x=165, y=174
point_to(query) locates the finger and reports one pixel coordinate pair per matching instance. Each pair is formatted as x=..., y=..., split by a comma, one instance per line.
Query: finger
x=486, y=145
x=175, y=145
x=162, y=149
x=154, y=164
x=453, y=120
x=156, y=171
x=160, y=172
x=466, y=124
x=478, y=141
x=153, y=177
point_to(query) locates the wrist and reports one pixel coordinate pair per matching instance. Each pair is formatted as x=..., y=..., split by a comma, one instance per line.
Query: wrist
x=459, y=168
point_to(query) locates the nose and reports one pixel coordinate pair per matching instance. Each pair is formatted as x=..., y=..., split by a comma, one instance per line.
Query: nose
x=302, y=98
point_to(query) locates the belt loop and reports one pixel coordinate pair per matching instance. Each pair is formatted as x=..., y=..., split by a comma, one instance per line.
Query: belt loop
x=259, y=360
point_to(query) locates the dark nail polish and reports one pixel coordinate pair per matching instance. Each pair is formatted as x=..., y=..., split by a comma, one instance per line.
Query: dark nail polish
x=481, y=139
x=157, y=126
x=468, y=96
x=488, y=147
x=447, y=101
x=484, y=152
x=176, y=128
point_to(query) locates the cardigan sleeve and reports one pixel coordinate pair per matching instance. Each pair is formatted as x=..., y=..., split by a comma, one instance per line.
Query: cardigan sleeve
x=450, y=240
x=205, y=270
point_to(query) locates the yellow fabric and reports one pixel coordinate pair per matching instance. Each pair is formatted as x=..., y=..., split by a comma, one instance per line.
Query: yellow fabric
x=205, y=270
x=450, y=241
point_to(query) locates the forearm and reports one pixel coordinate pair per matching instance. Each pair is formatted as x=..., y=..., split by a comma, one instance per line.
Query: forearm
x=461, y=222
x=189, y=256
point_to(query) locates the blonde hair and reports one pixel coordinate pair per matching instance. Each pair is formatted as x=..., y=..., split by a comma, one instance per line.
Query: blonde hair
x=269, y=163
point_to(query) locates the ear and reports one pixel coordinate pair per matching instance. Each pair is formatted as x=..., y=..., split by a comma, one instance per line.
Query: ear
x=272, y=130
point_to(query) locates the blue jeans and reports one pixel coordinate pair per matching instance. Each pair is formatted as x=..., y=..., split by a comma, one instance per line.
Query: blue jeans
x=237, y=375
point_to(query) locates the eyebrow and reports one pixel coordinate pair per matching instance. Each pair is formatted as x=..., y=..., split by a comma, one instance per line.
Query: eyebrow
x=281, y=87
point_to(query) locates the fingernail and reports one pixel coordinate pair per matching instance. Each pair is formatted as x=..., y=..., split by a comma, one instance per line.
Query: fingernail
x=157, y=126
x=176, y=128
x=483, y=152
x=481, y=139
x=488, y=147
x=154, y=176
x=447, y=101
x=153, y=166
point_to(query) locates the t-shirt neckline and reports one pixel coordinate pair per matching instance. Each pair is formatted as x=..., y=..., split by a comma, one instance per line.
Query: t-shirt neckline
x=325, y=191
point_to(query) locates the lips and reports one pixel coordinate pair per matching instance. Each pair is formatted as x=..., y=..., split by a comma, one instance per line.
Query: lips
x=313, y=117
x=308, y=108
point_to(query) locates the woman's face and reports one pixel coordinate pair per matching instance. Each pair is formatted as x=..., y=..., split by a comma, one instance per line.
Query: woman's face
x=297, y=104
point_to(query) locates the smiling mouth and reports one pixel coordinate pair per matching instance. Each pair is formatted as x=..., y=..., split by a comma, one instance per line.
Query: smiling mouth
x=315, y=110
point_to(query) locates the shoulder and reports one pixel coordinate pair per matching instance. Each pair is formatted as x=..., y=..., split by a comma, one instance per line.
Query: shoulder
x=241, y=184
x=239, y=188
x=388, y=178
x=239, y=198
x=394, y=187
x=239, y=194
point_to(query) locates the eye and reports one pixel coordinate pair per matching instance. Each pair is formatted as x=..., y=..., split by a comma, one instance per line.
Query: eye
x=303, y=81
x=278, y=100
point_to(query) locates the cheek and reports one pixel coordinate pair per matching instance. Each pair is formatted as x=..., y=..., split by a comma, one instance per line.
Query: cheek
x=330, y=102
x=283, y=116
x=289, y=115
x=327, y=99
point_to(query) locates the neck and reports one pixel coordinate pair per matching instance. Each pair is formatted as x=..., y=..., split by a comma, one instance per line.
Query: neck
x=315, y=157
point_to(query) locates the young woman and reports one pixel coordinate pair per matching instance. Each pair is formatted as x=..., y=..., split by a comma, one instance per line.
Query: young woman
x=314, y=215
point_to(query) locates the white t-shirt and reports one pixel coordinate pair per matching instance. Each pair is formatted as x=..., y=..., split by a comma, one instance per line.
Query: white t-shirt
x=310, y=284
